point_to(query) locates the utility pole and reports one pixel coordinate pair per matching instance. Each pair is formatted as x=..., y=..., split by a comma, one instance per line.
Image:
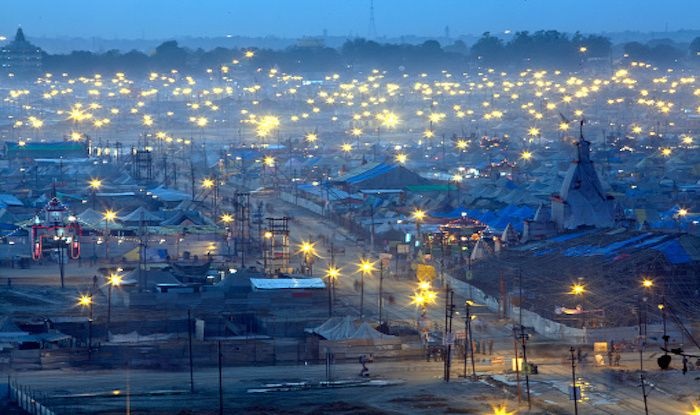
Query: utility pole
x=468, y=334
x=642, y=345
x=449, y=313
x=221, y=382
x=189, y=346
x=381, y=284
x=573, y=380
x=523, y=339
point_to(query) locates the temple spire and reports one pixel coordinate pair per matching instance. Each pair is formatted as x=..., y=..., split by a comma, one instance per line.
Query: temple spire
x=19, y=37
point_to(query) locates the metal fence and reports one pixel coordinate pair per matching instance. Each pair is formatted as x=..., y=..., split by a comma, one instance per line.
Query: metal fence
x=27, y=399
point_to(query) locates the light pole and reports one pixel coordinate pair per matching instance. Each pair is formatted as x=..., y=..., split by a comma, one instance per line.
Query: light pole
x=95, y=185
x=422, y=297
x=366, y=267
x=574, y=388
x=468, y=337
x=381, y=289
x=308, y=253
x=115, y=280
x=332, y=274
x=108, y=216
x=227, y=219
x=85, y=300
x=578, y=289
x=418, y=217
x=60, y=239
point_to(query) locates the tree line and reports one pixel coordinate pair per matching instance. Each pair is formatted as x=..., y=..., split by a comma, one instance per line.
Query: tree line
x=524, y=49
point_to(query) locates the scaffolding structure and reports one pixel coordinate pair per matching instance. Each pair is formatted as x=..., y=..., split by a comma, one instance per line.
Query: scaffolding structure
x=276, y=246
x=241, y=204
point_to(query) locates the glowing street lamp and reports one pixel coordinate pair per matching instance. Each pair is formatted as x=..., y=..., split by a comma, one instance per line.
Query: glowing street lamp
x=108, y=216
x=227, y=219
x=308, y=252
x=94, y=184
x=311, y=137
x=332, y=274
x=418, y=217
x=501, y=410
x=114, y=280
x=679, y=216
x=401, y=158
x=577, y=289
x=647, y=283
x=85, y=301
x=365, y=268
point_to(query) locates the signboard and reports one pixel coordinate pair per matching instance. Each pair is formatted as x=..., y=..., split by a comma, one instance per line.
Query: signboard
x=574, y=393
x=600, y=347
x=425, y=272
x=402, y=249
x=517, y=364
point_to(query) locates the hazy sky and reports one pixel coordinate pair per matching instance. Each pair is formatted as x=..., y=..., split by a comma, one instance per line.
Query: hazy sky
x=294, y=18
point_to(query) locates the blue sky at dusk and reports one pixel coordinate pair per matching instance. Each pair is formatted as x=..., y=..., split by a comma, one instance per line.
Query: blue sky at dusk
x=294, y=18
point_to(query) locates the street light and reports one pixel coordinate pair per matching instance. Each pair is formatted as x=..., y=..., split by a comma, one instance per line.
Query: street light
x=227, y=219
x=418, y=217
x=108, y=216
x=308, y=252
x=365, y=267
x=85, y=300
x=468, y=337
x=577, y=289
x=501, y=410
x=332, y=274
x=95, y=184
x=114, y=280
x=422, y=297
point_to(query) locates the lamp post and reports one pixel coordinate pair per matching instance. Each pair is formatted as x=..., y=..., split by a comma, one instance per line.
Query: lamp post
x=421, y=297
x=418, y=217
x=573, y=380
x=108, y=216
x=366, y=267
x=381, y=291
x=85, y=300
x=578, y=289
x=332, y=274
x=95, y=185
x=227, y=219
x=60, y=242
x=209, y=184
x=308, y=253
x=682, y=213
x=468, y=337
x=115, y=280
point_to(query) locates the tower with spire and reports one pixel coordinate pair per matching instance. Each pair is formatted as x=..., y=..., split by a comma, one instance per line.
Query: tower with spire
x=20, y=57
x=581, y=200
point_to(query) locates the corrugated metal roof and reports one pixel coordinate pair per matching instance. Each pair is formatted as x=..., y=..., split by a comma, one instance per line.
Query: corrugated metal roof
x=287, y=283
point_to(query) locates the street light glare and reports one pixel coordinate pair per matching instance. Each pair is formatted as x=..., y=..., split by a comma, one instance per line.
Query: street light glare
x=109, y=215
x=418, y=214
x=366, y=267
x=85, y=300
x=332, y=273
x=208, y=183
x=577, y=289
x=647, y=283
x=115, y=280
x=95, y=184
